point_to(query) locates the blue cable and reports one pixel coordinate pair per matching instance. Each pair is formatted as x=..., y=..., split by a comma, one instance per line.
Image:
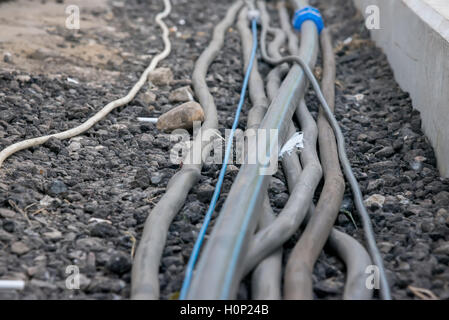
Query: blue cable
x=199, y=241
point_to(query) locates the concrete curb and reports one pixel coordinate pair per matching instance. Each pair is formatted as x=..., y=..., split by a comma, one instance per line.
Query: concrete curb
x=414, y=35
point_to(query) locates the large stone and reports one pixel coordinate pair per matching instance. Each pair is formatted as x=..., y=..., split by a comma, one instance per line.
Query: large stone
x=181, y=117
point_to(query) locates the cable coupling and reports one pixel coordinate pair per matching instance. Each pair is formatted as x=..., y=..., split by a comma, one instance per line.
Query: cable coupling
x=308, y=13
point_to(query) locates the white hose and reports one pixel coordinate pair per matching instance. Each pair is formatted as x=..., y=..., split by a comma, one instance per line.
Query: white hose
x=109, y=107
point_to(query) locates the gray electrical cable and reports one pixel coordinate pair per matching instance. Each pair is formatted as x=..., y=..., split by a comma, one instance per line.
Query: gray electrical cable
x=353, y=254
x=299, y=269
x=222, y=261
x=266, y=278
x=358, y=198
x=145, y=271
x=267, y=240
x=285, y=225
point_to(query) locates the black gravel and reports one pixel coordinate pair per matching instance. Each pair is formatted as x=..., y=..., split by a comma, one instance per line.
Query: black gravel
x=83, y=201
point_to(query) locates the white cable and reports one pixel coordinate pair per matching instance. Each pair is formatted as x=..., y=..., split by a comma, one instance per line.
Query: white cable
x=110, y=106
x=12, y=284
x=151, y=120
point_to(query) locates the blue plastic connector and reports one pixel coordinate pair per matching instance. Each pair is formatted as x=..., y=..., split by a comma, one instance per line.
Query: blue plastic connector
x=308, y=13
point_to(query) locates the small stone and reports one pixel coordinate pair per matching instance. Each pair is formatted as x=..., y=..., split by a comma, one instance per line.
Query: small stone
x=57, y=187
x=6, y=213
x=103, y=230
x=7, y=57
x=89, y=244
x=173, y=260
x=156, y=179
x=146, y=140
x=277, y=186
x=375, y=201
x=119, y=263
x=42, y=54
x=375, y=184
x=103, y=284
x=9, y=226
x=442, y=199
x=118, y=4
x=43, y=284
x=362, y=137
x=84, y=281
x=403, y=266
x=181, y=117
x=53, y=144
x=385, y=247
x=415, y=165
x=19, y=248
x=280, y=200
x=413, y=209
x=231, y=168
x=402, y=200
x=182, y=94
x=46, y=201
x=161, y=76
x=35, y=271
x=385, y=152
x=442, y=249
x=142, y=179
x=74, y=146
x=427, y=227
x=420, y=159
x=119, y=126
x=148, y=97
x=23, y=78
x=98, y=220
x=328, y=286
x=6, y=236
x=53, y=235
x=205, y=192
x=347, y=204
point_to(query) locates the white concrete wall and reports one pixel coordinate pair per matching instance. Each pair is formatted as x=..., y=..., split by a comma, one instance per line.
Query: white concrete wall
x=414, y=34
